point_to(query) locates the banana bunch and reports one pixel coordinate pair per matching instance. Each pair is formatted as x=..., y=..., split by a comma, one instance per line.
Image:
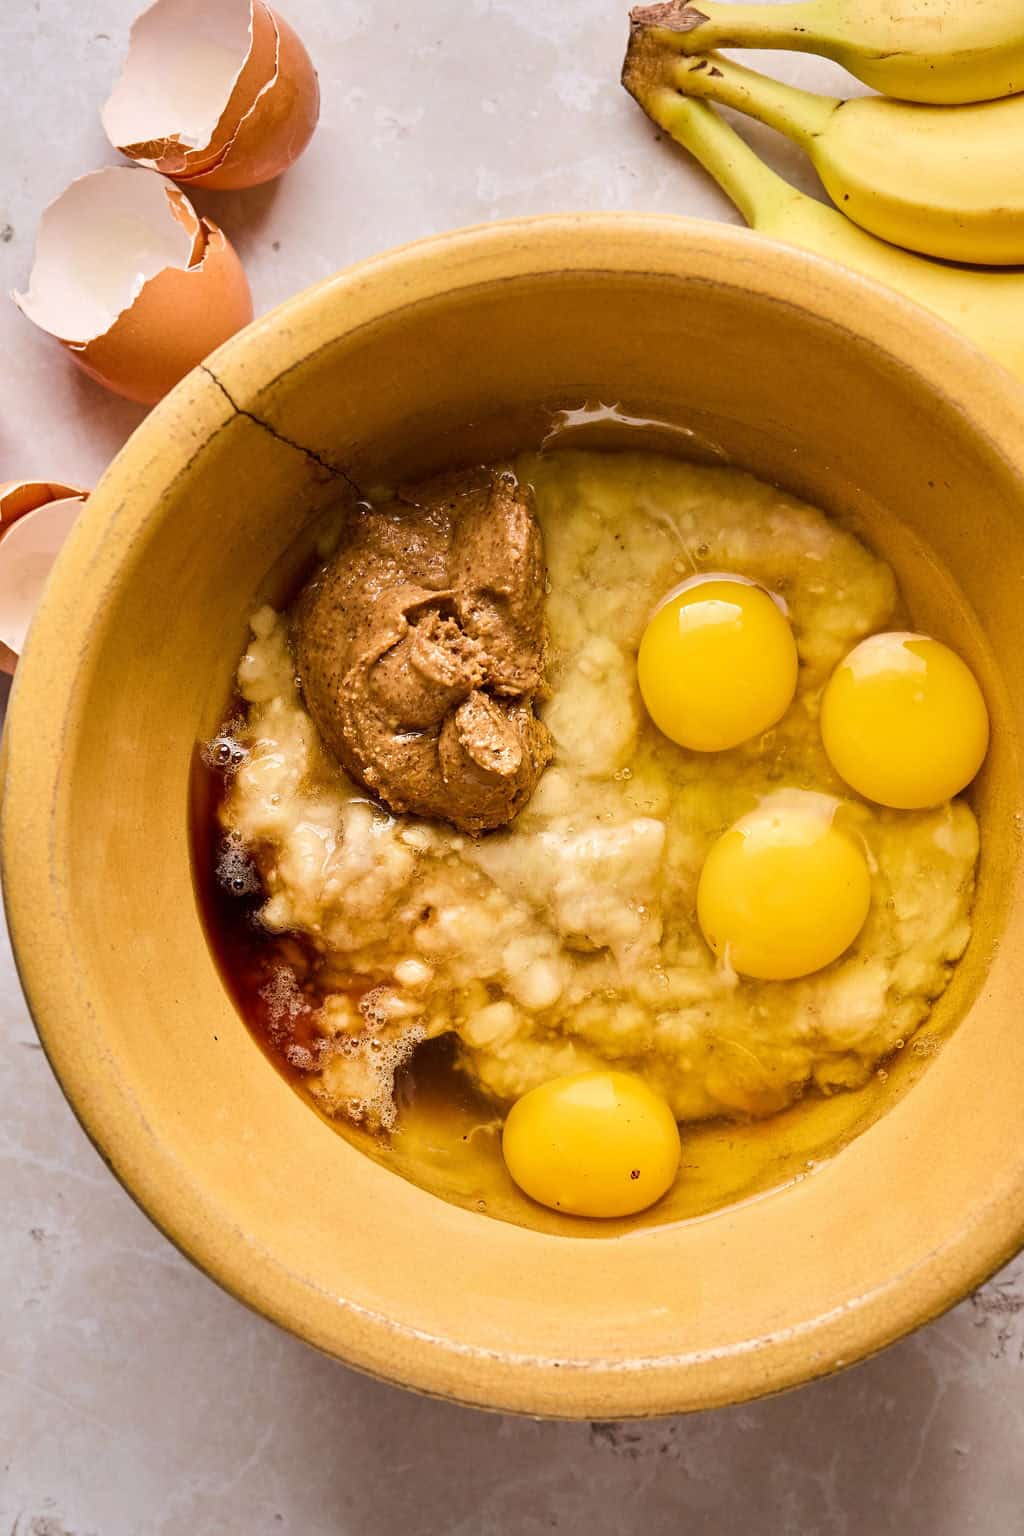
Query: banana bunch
x=941, y=51
x=938, y=172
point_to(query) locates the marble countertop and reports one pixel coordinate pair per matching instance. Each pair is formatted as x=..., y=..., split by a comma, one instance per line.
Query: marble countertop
x=135, y=1398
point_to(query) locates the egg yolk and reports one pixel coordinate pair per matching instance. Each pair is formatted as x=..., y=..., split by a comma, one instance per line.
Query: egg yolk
x=784, y=891
x=904, y=722
x=593, y=1144
x=717, y=665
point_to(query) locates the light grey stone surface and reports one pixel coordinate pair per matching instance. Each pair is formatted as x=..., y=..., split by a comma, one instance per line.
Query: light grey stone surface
x=135, y=1398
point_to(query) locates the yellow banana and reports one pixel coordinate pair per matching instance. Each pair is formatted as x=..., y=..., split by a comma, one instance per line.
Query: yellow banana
x=986, y=306
x=945, y=181
x=942, y=51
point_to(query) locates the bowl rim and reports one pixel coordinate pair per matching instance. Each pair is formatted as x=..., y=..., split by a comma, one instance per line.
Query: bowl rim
x=911, y=338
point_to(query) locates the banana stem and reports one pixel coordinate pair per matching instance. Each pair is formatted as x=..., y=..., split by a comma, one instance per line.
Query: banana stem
x=800, y=114
x=702, y=25
x=742, y=176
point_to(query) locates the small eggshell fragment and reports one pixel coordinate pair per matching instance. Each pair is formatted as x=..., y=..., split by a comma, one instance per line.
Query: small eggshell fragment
x=133, y=282
x=217, y=93
x=27, y=551
x=20, y=496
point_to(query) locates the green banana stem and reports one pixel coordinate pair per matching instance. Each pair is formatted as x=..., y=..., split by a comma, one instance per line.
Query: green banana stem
x=800, y=114
x=703, y=25
x=744, y=178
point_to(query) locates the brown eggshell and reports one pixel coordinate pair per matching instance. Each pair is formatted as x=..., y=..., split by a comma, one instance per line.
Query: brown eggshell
x=17, y=499
x=132, y=282
x=27, y=551
x=273, y=134
x=188, y=78
x=176, y=320
x=266, y=121
x=256, y=72
x=20, y=496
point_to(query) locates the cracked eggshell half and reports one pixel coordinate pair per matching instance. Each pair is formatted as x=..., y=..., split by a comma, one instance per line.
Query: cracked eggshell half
x=133, y=282
x=36, y=517
x=218, y=93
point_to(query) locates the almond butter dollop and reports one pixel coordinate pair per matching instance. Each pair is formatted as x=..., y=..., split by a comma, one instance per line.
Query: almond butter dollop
x=420, y=645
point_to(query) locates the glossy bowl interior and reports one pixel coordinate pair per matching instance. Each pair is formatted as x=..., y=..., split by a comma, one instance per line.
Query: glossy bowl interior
x=463, y=347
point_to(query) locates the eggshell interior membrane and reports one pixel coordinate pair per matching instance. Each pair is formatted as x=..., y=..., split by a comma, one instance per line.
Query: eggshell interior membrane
x=20, y=496
x=27, y=552
x=185, y=58
x=98, y=244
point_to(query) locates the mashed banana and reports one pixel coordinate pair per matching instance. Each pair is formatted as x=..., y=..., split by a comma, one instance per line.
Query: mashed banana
x=570, y=939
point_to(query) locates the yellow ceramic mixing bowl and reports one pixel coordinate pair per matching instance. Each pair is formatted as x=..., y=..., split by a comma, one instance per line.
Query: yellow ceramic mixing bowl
x=462, y=347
